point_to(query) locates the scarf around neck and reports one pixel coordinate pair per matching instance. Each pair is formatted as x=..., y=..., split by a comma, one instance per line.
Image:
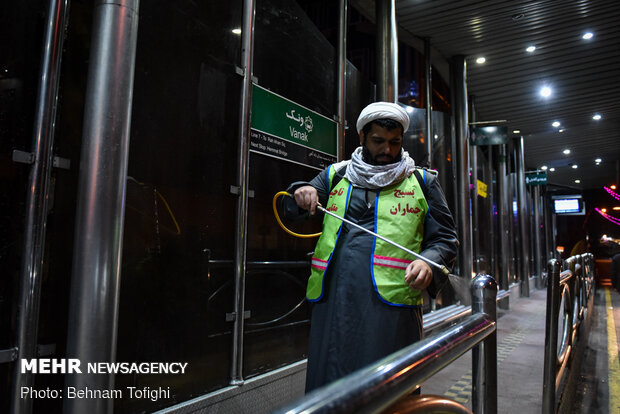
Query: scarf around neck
x=364, y=175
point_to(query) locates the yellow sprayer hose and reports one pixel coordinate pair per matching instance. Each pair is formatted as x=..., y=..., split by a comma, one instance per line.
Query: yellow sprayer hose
x=275, y=212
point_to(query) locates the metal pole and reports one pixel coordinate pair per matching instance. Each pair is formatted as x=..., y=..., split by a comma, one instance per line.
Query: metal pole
x=428, y=88
x=387, y=51
x=473, y=167
x=510, y=197
x=489, y=211
x=484, y=355
x=551, y=337
x=523, y=219
x=504, y=207
x=459, y=87
x=538, y=253
x=243, y=158
x=547, y=223
x=342, y=76
x=38, y=195
x=100, y=214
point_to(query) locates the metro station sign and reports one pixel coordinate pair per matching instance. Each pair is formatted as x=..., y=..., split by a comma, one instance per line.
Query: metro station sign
x=536, y=178
x=282, y=129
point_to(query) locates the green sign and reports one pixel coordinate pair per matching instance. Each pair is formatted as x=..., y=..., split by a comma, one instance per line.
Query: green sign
x=282, y=129
x=536, y=178
x=488, y=135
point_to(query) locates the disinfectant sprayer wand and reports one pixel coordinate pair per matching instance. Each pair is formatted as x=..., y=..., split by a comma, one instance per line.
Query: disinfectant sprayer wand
x=419, y=256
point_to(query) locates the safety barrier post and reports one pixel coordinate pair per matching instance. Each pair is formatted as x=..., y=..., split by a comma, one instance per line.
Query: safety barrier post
x=551, y=335
x=484, y=355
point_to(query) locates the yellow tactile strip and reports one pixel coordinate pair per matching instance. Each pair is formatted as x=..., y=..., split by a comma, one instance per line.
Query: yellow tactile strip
x=612, y=352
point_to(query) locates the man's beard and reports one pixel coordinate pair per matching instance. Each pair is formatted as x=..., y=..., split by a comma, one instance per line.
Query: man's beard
x=369, y=159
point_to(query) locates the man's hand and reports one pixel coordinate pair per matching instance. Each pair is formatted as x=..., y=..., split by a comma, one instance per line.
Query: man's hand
x=418, y=275
x=307, y=198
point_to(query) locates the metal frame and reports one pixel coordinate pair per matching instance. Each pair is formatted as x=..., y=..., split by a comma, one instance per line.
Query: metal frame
x=38, y=196
x=458, y=87
x=243, y=159
x=428, y=90
x=342, y=77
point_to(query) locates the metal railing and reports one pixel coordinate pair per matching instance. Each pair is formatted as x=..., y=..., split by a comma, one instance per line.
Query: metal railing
x=375, y=388
x=569, y=295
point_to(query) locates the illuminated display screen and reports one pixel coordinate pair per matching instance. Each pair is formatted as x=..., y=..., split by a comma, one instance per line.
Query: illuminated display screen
x=568, y=205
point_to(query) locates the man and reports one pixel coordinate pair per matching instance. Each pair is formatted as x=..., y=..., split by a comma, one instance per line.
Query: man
x=366, y=293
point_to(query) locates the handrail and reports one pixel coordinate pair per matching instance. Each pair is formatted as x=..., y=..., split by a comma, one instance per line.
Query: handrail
x=377, y=386
x=573, y=288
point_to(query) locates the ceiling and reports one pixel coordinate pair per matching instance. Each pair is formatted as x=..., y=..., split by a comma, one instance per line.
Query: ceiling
x=584, y=75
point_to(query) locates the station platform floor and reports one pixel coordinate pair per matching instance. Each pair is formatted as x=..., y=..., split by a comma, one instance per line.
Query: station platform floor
x=520, y=359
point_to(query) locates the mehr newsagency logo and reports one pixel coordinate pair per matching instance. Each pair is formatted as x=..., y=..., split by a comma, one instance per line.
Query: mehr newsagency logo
x=74, y=366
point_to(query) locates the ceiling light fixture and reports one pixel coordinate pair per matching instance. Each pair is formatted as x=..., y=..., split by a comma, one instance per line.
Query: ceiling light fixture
x=481, y=60
x=587, y=36
x=530, y=49
x=552, y=169
x=598, y=160
x=556, y=124
x=597, y=117
x=236, y=31
x=574, y=166
x=545, y=91
x=566, y=151
x=577, y=181
x=516, y=131
x=544, y=168
x=561, y=130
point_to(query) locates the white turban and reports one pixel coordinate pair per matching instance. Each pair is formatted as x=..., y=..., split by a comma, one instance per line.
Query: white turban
x=378, y=110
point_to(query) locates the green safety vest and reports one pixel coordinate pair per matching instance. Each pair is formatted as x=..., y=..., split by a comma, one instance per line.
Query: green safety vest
x=400, y=210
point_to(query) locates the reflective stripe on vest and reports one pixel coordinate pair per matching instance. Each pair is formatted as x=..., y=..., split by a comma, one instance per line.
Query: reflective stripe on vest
x=399, y=215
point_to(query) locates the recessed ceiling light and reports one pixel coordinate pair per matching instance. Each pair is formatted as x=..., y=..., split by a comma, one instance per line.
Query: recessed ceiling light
x=481, y=60
x=598, y=160
x=561, y=130
x=587, y=36
x=577, y=181
x=555, y=124
x=545, y=91
x=551, y=169
x=516, y=131
x=530, y=49
x=566, y=151
x=596, y=117
x=544, y=168
x=574, y=166
x=236, y=31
